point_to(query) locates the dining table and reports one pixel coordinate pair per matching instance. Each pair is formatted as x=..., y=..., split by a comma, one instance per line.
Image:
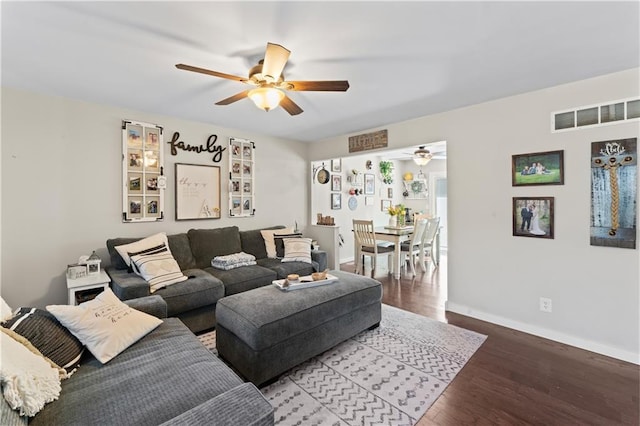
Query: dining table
x=396, y=235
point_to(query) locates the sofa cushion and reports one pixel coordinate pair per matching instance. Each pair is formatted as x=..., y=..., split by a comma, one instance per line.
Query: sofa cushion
x=244, y=278
x=201, y=289
x=269, y=242
x=105, y=324
x=297, y=250
x=284, y=269
x=166, y=373
x=253, y=242
x=209, y=243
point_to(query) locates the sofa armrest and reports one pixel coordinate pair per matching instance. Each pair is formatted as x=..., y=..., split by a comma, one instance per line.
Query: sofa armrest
x=242, y=405
x=127, y=285
x=152, y=305
x=319, y=256
x=9, y=417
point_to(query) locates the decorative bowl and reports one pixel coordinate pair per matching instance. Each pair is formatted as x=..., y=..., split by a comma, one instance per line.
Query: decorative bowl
x=317, y=276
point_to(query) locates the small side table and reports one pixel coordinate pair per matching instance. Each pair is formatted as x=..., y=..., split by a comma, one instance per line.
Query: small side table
x=86, y=288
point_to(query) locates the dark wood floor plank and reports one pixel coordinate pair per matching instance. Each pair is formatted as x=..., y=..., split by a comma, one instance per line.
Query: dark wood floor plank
x=516, y=378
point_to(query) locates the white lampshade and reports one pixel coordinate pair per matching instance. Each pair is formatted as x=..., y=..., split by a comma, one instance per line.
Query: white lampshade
x=266, y=98
x=422, y=156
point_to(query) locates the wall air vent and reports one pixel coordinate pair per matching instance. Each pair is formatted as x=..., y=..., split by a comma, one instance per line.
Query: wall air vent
x=596, y=115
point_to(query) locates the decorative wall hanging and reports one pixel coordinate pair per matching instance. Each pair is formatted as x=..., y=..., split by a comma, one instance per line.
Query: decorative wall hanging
x=614, y=175
x=336, y=183
x=538, y=168
x=197, y=192
x=368, y=141
x=143, y=180
x=241, y=178
x=369, y=184
x=533, y=217
x=336, y=201
x=175, y=143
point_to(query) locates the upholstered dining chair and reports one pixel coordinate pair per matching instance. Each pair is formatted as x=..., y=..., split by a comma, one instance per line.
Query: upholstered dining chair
x=366, y=245
x=433, y=227
x=410, y=250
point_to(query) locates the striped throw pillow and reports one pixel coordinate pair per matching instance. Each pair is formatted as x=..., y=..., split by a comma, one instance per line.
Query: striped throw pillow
x=157, y=266
x=297, y=250
x=46, y=334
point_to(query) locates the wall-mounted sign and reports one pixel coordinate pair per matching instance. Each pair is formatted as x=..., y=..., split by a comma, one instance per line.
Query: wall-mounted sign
x=210, y=147
x=368, y=141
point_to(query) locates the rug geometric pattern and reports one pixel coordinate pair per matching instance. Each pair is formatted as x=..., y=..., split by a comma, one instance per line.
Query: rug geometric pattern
x=387, y=376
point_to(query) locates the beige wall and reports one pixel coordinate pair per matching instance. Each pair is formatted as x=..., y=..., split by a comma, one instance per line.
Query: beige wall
x=61, y=180
x=500, y=278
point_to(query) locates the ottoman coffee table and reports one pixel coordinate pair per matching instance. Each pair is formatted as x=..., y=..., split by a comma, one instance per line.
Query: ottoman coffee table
x=266, y=331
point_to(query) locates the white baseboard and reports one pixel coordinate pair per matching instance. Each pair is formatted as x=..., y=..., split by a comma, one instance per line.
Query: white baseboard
x=545, y=333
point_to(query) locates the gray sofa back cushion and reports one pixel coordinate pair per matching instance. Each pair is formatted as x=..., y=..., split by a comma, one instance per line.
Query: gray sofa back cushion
x=178, y=244
x=209, y=243
x=253, y=242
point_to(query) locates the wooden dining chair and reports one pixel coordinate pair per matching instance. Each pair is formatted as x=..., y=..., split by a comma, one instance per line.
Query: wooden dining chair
x=410, y=250
x=433, y=227
x=366, y=245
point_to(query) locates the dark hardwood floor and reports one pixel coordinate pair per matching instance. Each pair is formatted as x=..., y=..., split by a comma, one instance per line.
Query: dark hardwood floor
x=517, y=378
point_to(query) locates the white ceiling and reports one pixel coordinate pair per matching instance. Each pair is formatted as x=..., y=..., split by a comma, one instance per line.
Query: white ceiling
x=403, y=59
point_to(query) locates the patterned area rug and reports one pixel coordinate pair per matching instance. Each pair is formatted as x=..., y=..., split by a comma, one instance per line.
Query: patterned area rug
x=387, y=376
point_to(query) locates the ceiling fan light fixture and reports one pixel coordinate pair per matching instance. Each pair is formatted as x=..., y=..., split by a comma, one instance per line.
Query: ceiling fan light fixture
x=266, y=98
x=422, y=156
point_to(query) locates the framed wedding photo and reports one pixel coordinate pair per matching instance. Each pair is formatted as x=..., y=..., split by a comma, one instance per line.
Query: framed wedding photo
x=533, y=217
x=336, y=183
x=537, y=168
x=369, y=184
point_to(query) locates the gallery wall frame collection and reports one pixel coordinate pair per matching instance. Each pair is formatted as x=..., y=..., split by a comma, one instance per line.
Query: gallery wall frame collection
x=143, y=179
x=241, y=178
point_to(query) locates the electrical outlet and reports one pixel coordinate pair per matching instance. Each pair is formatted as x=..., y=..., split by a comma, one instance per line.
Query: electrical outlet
x=545, y=304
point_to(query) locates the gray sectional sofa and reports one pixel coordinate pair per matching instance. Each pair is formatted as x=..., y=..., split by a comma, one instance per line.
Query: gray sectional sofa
x=167, y=378
x=194, y=300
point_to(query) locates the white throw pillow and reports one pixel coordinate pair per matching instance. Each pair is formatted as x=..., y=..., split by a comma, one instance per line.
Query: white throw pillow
x=5, y=311
x=105, y=325
x=269, y=242
x=28, y=380
x=158, y=268
x=297, y=250
x=141, y=245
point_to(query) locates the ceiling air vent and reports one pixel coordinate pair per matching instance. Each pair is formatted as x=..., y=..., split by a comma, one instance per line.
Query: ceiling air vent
x=596, y=115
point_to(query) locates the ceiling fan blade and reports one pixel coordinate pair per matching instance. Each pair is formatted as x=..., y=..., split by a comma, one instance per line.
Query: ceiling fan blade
x=318, y=86
x=275, y=59
x=210, y=72
x=290, y=106
x=234, y=98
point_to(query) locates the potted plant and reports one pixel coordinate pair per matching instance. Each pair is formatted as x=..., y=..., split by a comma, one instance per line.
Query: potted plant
x=386, y=170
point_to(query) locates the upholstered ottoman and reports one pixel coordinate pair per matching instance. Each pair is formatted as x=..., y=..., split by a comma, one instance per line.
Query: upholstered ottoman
x=266, y=331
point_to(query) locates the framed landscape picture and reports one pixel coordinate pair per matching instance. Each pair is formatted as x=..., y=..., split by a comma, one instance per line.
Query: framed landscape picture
x=538, y=168
x=533, y=217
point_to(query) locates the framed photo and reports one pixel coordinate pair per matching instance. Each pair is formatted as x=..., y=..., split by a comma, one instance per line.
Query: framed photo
x=368, y=201
x=197, y=192
x=242, y=187
x=384, y=205
x=369, y=184
x=533, y=217
x=336, y=165
x=538, y=168
x=336, y=201
x=389, y=192
x=336, y=183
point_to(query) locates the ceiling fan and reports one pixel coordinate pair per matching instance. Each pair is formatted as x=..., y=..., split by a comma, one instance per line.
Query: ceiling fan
x=269, y=82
